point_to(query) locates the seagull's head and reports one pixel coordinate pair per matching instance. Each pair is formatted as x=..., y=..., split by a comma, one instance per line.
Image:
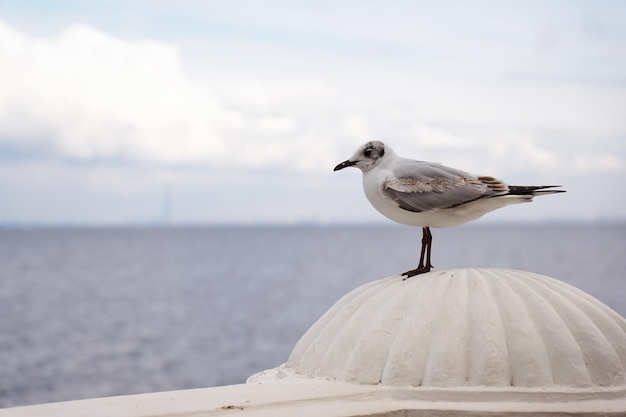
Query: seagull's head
x=366, y=157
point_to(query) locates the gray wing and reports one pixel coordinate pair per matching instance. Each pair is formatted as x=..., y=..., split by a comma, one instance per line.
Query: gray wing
x=423, y=186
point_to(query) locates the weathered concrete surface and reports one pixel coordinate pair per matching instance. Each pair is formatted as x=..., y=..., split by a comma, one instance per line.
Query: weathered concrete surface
x=467, y=328
x=305, y=397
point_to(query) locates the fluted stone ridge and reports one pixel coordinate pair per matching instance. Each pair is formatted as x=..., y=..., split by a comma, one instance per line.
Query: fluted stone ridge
x=482, y=327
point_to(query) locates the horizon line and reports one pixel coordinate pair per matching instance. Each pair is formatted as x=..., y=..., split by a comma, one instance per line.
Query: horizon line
x=285, y=224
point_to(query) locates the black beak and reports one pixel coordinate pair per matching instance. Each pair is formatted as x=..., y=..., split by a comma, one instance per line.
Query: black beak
x=344, y=164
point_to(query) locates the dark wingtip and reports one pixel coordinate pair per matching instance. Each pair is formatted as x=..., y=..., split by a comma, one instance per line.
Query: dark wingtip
x=534, y=189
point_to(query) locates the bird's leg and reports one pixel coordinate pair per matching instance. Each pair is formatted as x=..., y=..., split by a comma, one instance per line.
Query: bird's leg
x=424, y=246
x=427, y=239
x=429, y=242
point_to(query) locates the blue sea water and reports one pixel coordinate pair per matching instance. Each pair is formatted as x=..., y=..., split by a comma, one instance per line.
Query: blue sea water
x=108, y=311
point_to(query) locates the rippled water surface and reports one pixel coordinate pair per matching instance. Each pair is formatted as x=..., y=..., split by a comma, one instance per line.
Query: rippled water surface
x=98, y=312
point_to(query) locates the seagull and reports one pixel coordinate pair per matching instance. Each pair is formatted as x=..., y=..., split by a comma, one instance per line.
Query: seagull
x=429, y=194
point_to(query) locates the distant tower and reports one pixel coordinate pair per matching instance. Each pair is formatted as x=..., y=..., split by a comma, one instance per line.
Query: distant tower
x=166, y=205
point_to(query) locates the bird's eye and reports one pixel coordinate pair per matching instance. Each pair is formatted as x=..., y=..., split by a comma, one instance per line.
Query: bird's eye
x=368, y=152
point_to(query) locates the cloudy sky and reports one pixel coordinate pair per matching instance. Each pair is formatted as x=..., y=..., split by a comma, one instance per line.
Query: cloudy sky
x=140, y=111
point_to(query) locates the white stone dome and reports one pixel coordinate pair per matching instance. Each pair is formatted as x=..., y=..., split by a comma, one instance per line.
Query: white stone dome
x=467, y=328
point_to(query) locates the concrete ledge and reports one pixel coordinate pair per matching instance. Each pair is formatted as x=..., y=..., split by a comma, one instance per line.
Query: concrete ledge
x=312, y=397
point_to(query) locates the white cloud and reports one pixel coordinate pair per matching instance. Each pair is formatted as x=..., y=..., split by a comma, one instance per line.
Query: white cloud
x=89, y=95
x=86, y=94
x=521, y=151
x=431, y=137
x=511, y=94
x=357, y=127
x=598, y=163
